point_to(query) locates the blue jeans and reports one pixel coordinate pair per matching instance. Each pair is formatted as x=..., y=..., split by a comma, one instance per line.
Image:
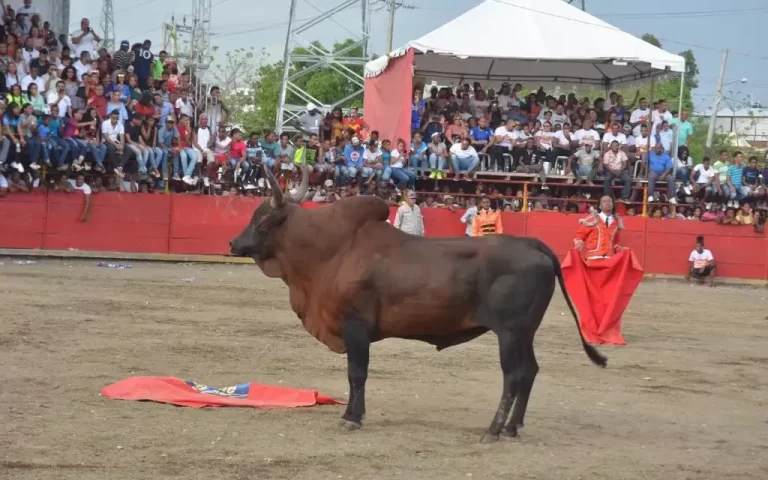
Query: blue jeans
x=34, y=147
x=738, y=193
x=78, y=147
x=626, y=179
x=188, y=158
x=418, y=162
x=403, y=178
x=157, y=158
x=98, y=151
x=350, y=173
x=270, y=162
x=436, y=162
x=61, y=147
x=464, y=165
x=684, y=175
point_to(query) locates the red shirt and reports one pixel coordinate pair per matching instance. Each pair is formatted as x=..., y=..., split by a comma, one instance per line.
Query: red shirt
x=99, y=103
x=146, y=110
x=184, y=134
x=355, y=124
x=237, y=149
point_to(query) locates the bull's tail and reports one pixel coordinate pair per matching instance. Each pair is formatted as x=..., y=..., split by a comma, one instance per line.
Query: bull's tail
x=597, y=358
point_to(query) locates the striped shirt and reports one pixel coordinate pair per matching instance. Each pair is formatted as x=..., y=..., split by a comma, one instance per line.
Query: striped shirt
x=736, y=174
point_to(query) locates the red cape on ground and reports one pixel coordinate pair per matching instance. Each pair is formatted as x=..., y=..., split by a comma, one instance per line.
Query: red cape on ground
x=190, y=394
x=600, y=291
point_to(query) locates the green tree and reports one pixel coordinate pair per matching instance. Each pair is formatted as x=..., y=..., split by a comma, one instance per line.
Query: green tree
x=651, y=38
x=256, y=106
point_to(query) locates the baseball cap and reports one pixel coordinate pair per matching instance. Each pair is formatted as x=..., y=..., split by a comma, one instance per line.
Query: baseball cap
x=328, y=183
x=355, y=141
x=435, y=134
x=125, y=43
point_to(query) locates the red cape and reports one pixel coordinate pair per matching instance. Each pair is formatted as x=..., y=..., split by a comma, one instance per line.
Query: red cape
x=601, y=291
x=190, y=394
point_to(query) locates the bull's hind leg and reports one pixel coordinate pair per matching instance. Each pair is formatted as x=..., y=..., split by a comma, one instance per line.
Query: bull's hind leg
x=509, y=356
x=357, y=338
x=528, y=370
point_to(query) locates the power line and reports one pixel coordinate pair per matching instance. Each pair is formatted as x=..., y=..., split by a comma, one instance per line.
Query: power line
x=703, y=13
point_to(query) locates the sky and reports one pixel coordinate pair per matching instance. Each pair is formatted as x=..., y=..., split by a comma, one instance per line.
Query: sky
x=705, y=26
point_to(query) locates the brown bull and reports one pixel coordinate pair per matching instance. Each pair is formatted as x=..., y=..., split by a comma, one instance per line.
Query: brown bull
x=354, y=279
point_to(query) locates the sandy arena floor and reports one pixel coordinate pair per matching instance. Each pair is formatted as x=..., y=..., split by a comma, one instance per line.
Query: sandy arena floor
x=687, y=398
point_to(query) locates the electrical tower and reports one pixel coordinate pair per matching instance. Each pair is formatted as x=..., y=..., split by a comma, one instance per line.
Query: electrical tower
x=583, y=4
x=60, y=14
x=108, y=25
x=317, y=58
x=189, y=43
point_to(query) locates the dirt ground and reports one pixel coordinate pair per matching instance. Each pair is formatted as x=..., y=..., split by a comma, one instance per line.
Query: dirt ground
x=687, y=398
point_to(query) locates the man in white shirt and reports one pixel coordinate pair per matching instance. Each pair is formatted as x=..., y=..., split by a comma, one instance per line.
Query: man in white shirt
x=586, y=134
x=26, y=13
x=33, y=77
x=559, y=117
x=82, y=66
x=661, y=114
x=113, y=134
x=701, y=264
x=85, y=40
x=614, y=135
x=464, y=159
x=60, y=98
x=639, y=117
x=184, y=105
x=702, y=179
x=372, y=164
x=204, y=141
x=29, y=52
x=503, y=140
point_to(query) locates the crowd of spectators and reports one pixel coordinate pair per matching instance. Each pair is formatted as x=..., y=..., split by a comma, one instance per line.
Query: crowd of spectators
x=79, y=117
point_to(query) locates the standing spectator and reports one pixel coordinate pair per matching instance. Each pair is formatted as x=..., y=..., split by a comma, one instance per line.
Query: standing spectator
x=122, y=57
x=203, y=140
x=468, y=219
x=685, y=129
x=735, y=180
x=409, y=218
x=487, y=221
x=24, y=15
x=142, y=63
x=660, y=114
x=639, y=117
x=659, y=168
x=86, y=39
x=216, y=109
x=701, y=264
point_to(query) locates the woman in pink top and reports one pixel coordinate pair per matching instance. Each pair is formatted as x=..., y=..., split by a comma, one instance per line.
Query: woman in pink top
x=455, y=131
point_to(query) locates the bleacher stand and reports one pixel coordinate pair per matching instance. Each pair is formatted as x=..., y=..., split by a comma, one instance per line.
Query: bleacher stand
x=126, y=121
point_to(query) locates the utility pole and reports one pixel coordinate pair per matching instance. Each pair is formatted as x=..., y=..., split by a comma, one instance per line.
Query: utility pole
x=716, y=103
x=108, y=25
x=391, y=27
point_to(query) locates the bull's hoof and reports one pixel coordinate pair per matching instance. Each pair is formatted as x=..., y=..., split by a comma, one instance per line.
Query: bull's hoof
x=509, y=432
x=489, y=438
x=349, y=426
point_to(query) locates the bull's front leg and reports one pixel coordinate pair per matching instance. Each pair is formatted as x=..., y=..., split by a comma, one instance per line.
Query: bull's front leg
x=356, y=332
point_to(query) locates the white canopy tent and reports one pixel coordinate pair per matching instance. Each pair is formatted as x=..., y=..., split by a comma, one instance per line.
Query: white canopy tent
x=534, y=42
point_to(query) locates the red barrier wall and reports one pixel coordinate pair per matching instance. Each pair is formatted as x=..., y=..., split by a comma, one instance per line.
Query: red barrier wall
x=204, y=225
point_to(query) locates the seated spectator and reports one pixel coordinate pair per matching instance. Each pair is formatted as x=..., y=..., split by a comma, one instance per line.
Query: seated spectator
x=373, y=166
x=701, y=264
x=702, y=178
x=659, y=165
x=418, y=159
x=745, y=216
x=616, y=165
x=438, y=155
x=464, y=159
x=353, y=155
x=3, y=186
x=531, y=160
x=403, y=177
x=752, y=178
x=584, y=164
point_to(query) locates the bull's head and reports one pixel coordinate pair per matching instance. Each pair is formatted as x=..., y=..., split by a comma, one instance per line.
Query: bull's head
x=258, y=238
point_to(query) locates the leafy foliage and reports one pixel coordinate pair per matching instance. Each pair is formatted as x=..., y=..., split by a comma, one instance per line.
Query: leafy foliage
x=255, y=93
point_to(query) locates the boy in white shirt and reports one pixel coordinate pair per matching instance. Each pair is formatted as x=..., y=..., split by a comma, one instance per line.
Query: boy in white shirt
x=701, y=264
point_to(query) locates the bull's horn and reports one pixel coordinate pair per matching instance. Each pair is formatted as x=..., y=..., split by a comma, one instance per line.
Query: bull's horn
x=304, y=185
x=277, y=194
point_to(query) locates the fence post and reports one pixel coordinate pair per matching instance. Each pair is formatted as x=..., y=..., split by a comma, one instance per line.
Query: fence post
x=525, y=197
x=645, y=201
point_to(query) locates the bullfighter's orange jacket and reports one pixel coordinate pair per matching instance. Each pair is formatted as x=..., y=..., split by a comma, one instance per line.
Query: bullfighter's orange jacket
x=600, y=239
x=487, y=222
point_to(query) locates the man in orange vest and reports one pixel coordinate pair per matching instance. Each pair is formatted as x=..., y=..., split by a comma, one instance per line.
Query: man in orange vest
x=487, y=221
x=598, y=234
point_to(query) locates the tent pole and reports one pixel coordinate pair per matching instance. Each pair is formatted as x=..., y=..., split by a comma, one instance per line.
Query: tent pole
x=650, y=123
x=682, y=87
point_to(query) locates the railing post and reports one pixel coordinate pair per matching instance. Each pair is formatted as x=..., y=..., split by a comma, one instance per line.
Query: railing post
x=525, y=197
x=645, y=201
